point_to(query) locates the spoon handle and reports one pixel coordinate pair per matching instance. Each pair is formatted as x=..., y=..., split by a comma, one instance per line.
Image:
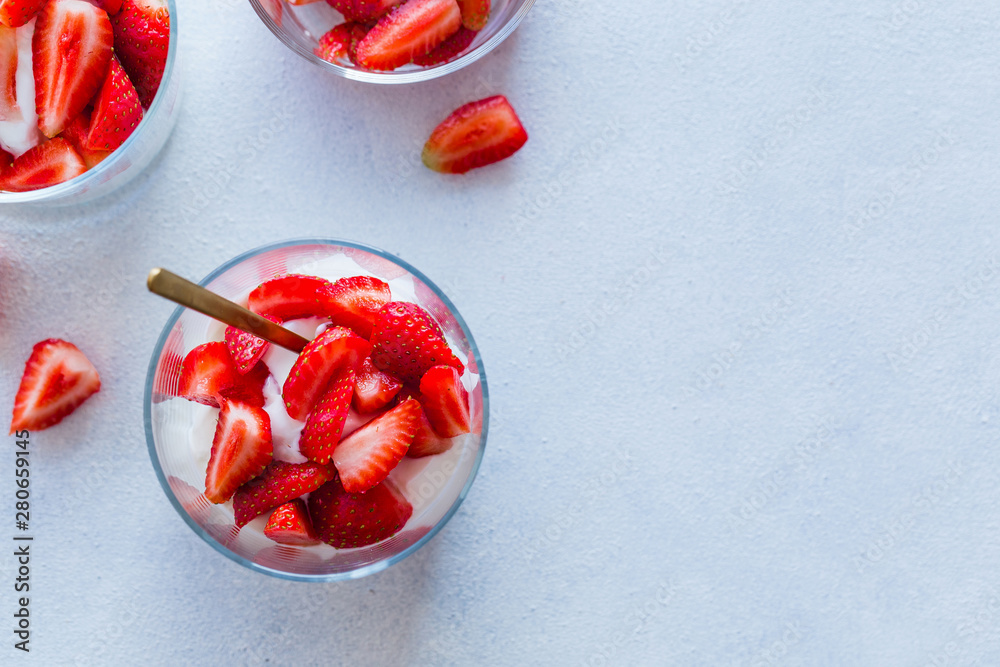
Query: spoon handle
x=186, y=293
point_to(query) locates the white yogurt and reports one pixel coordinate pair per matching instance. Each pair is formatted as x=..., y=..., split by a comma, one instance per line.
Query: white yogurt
x=17, y=136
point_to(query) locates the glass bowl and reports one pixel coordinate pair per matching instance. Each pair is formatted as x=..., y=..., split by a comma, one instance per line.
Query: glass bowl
x=133, y=156
x=299, y=27
x=434, y=485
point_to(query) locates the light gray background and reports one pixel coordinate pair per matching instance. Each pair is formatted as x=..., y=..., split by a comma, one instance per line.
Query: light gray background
x=738, y=302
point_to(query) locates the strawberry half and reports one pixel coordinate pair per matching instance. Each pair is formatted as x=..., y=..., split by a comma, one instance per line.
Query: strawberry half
x=446, y=401
x=425, y=441
x=475, y=135
x=142, y=37
x=245, y=349
x=117, y=111
x=373, y=388
x=241, y=449
x=340, y=41
x=9, y=110
x=332, y=350
x=57, y=378
x=325, y=424
x=209, y=375
x=279, y=483
x=367, y=456
x=475, y=13
x=15, y=13
x=70, y=52
x=354, y=302
x=76, y=133
x=405, y=344
x=347, y=521
x=49, y=163
x=112, y=7
x=410, y=30
x=290, y=525
x=289, y=297
x=449, y=49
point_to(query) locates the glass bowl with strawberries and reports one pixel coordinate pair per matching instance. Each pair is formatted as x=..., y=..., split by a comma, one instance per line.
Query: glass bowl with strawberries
x=392, y=41
x=88, y=95
x=333, y=462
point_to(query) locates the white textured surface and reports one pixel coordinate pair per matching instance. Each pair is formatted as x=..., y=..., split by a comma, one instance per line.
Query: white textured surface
x=776, y=443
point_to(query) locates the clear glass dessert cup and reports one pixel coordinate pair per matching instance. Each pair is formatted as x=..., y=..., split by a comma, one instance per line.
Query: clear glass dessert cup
x=132, y=157
x=434, y=489
x=300, y=27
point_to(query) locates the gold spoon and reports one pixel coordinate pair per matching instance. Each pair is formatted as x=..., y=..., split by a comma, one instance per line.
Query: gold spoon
x=186, y=293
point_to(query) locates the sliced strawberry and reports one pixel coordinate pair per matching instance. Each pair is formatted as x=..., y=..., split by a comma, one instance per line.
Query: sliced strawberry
x=241, y=449
x=367, y=456
x=449, y=49
x=290, y=524
x=249, y=387
x=6, y=161
x=290, y=297
x=112, y=7
x=142, y=37
x=446, y=401
x=363, y=10
x=332, y=350
x=117, y=111
x=405, y=344
x=206, y=373
x=350, y=520
x=70, y=52
x=15, y=13
x=475, y=135
x=48, y=163
x=245, y=348
x=326, y=422
x=57, y=379
x=354, y=302
x=410, y=30
x=335, y=44
x=475, y=13
x=279, y=483
x=373, y=388
x=9, y=110
x=425, y=441
x=76, y=133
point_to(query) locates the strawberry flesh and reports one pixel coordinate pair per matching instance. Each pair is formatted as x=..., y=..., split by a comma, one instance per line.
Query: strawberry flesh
x=354, y=302
x=373, y=388
x=9, y=110
x=142, y=38
x=425, y=441
x=349, y=520
x=241, y=449
x=325, y=424
x=449, y=49
x=15, y=13
x=209, y=375
x=332, y=350
x=290, y=525
x=76, y=133
x=117, y=111
x=413, y=29
x=49, y=163
x=367, y=456
x=57, y=378
x=279, y=483
x=406, y=342
x=445, y=401
x=290, y=297
x=475, y=135
x=245, y=349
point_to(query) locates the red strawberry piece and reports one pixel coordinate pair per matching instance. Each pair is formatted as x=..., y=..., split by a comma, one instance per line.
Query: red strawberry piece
x=326, y=422
x=354, y=302
x=373, y=388
x=405, y=344
x=142, y=37
x=475, y=135
x=241, y=449
x=335, y=44
x=76, y=133
x=332, y=350
x=249, y=387
x=70, y=52
x=446, y=401
x=245, y=348
x=363, y=10
x=57, y=379
x=279, y=483
x=15, y=13
x=410, y=30
x=49, y=163
x=425, y=441
x=290, y=297
x=6, y=161
x=206, y=373
x=112, y=7
x=117, y=111
x=449, y=49
x=367, y=456
x=475, y=13
x=350, y=520
x=290, y=525
x=9, y=110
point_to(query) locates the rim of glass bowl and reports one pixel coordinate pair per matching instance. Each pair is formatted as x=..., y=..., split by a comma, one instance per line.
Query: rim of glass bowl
x=337, y=576
x=67, y=187
x=425, y=74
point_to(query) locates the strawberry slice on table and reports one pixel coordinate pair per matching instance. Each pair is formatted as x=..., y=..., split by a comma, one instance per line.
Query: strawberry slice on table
x=142, y=37
x=350, y=520
x=475, y=13
x=334, y=349
x=475, y=135
x=117, y=111
x=449, y=49
x=241, y=449
x=15, y=13
x=366, y=457
x=245, y=348
x=76, y=133
x=290, y=297
x=373, y=388
x=290, y=525
x=49, y=163
x=410, y=30
x=425, y=441
x=446, y=401
x=57, y=378
x=9, y=110
x=406, y=342
x=326, y=422
x=279, y=483
x=70, y=53
x=354, y=302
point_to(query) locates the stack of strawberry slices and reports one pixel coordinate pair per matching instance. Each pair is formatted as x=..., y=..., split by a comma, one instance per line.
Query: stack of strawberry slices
x=377, y=384
x=75, y=76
